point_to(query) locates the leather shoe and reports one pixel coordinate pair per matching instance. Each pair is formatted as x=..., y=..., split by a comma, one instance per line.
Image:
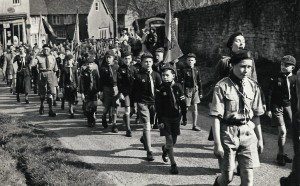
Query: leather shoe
x=150, y=156
x=128, y=133
x=196, y=129
x=174, y=169
x=164, y=154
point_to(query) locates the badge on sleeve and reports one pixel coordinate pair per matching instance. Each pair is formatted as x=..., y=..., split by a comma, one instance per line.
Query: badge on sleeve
x=164, y=93
x=143, y=80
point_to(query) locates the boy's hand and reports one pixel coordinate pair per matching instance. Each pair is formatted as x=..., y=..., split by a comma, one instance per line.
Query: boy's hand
x=122, y=96
x=269, y=114
x=260, y=146
x=182, y=98
x=161, y=126
x=219, y=151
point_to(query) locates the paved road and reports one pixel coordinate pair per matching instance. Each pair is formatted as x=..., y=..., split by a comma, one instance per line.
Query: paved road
x=120, y=160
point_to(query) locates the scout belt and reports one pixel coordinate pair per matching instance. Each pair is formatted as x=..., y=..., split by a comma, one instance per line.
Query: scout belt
x=235, y=122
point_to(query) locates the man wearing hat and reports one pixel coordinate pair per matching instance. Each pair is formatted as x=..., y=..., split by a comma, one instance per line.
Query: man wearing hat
x=145, y=83
x=124, y=81
x=191, y=82
x=279, y=103
x=236, y=108
x=47, y=67
x=170, y=105
x=108, y=86
x=89, y=86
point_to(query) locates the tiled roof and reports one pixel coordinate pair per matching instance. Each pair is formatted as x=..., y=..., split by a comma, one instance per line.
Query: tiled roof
x=122, y=6
x=69, y=6
x=38, y=7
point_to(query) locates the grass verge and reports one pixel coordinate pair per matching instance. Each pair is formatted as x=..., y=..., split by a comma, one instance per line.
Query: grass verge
x=33, y=156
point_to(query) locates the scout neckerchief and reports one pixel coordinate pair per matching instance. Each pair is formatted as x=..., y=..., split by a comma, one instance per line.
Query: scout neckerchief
x=151, y=82
x=241, y=91
x=22, y=56
x=47, y=63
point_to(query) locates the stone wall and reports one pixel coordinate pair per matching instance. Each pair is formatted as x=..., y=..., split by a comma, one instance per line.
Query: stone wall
x=271, y=29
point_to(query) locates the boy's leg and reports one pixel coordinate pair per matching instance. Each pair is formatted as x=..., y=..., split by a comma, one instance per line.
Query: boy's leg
x=104, y=122
x=170, y=150
x=114, y=128
x=195, y=117
x=26, y=98
x=247, y=177
x=224, y=179
x=126, y=119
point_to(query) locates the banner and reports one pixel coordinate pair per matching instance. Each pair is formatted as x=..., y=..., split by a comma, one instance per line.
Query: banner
x=173, y=50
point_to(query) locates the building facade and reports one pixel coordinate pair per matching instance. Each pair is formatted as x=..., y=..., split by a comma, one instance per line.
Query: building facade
x=14, y=22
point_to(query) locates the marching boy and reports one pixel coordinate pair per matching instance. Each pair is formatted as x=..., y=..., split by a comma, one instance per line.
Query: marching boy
x=170, y=105
x=69, y=82
x=146, y=81
x=124, y=81
x=108, y=85
x=191, y=82
x=236, y=107
x=280, y=103
x=89, y=89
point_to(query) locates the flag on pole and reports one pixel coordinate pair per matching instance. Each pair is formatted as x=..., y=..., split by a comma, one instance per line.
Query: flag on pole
x=40, y=32
x=76, y=39
x=173, y=50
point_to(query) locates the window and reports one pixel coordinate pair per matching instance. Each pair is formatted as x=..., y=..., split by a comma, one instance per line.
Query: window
x=55, y=20
x=16, y=2
x=61, y=33
x=103, y=33
x=97, y=6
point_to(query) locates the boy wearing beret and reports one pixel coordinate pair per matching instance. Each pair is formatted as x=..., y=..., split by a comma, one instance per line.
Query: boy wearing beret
x=124, y=81
x=236, y=108
x=280, y=103
x=146, y=81
x=170, y=105
x=191, y=82
x=108, y=86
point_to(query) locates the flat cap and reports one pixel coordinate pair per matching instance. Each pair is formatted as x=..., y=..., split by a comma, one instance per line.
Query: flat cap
x=110, y=53
x=288, y=59
x=126, y=53
x=69, y=56
x=168, y=66
x=47, y=46
x=146, y=55
x=160, y=49
x=191, y=55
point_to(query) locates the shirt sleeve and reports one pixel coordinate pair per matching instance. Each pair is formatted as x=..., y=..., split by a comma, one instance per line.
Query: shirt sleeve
x=217, y=107
x=257, y=106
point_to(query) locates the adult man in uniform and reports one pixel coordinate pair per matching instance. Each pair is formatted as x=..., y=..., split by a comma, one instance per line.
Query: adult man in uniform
x=47, y=67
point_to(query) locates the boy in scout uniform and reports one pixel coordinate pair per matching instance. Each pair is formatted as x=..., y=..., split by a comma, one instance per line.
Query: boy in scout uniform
x=108, y=86
x=170, y=105
x=279, y=94
x=124, y=81
x=47, y=67
x=146, y=81
x=191, y=82
x=236, y=107
x=89, y=87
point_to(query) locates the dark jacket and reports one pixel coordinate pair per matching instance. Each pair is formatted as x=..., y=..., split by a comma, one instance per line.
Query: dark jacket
x=278, y=92
x=125, y=76
x=167, y=101
x=141, y=87
x=89, y=80
x=190, y=78
x=108, y=78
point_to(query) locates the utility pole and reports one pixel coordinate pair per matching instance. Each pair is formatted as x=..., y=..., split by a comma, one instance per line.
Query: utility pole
x=116, y=18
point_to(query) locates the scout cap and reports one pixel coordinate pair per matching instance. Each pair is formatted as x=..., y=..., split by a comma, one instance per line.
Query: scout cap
x=110, y=53
x=288, y=59
x=69, y=56
x=126, y=53
x=46, y=46
x=190, y=55
x=168, y=67
x=161, y=49
x=146, y=55
x=231, y=38
x=241, y=55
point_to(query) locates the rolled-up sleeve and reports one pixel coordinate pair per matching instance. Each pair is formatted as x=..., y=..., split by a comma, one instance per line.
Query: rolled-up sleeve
x=217, y=107
x=257, y=105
